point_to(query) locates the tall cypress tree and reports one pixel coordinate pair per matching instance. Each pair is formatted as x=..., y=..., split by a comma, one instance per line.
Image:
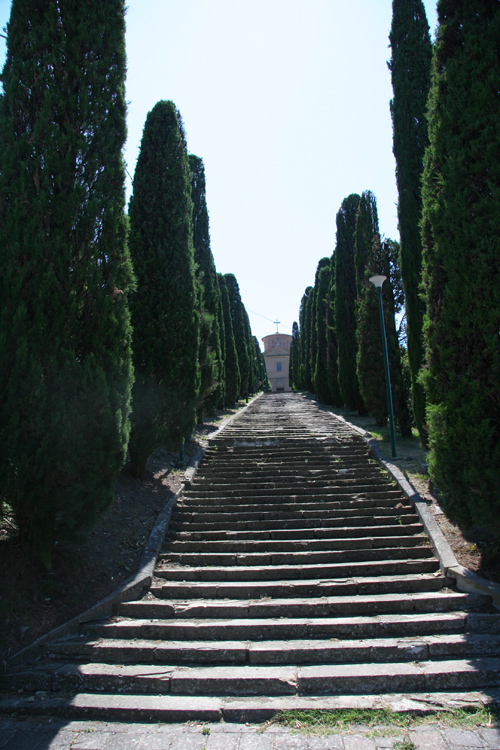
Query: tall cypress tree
x=165, y=308
x=232, y=378
x=239, y=330
x=321, y=380
x=344, y=281
x=331, y=339
x=315, y=343
x=303, y=338
x=294, y=369
x=369, y=359
x=461, y=216
x=65, y=355
x=210, y=347
x=307, y=339
x=410, y=70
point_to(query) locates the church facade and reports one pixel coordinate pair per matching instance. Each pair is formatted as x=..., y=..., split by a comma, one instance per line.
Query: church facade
x=277, y=358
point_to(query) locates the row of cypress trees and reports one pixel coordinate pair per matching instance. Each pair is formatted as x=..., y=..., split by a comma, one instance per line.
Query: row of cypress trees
x=336, y=350
x=446, y=125
x=116, y=332
x=446, y=141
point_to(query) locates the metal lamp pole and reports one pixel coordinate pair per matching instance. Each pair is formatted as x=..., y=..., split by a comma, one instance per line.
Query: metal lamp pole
x=377, y=282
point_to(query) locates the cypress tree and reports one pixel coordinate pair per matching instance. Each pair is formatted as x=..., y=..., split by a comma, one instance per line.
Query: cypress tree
x=294, y=370
x=461, y=216
x=344, y=282
x=303, y=345
x=252, y=366
x=316, y=342
x=232, y=376
x=210, y=347
x=165, y=307
x=331, y=339
x=410, y=70
x=65, y=354
x=369, y=359
x=321, y=380
x=239, y=331
x=307, y=340
x=393, y=302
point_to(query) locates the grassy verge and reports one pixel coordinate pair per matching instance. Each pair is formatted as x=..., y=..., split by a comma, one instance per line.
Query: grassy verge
x=386, y=722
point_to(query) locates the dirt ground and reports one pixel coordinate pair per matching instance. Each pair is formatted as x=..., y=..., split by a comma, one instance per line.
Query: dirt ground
x=32, y=603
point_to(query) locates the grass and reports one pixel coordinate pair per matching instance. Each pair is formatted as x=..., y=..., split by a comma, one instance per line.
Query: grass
x=385, y=720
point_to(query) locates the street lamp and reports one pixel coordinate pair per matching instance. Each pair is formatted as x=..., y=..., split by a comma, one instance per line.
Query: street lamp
x=377, y=282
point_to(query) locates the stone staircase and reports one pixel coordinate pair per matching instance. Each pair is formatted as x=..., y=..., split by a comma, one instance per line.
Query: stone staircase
x=295, y=574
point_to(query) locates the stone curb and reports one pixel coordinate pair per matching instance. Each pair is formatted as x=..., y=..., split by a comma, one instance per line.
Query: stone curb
x=134, y=586
x=466, y=579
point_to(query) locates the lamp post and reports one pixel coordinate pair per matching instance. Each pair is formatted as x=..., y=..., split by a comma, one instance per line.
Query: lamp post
x=377, y=282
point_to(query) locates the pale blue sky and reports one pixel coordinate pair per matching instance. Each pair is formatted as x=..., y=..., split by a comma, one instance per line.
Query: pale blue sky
x=287, y=102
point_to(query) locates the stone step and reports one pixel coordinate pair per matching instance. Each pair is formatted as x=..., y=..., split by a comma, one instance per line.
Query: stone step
x=342, y=532
x=362, y=627
x=327, y=679
x=214, y=472
x=287, y=515
x=291, y=589
x=255, y=709
x=227, y=496
x=240, y=546
x=310, y=484
x=297, y=558
x=377, y=650
x=325, y=606
x=306, y=571
x=311, y=521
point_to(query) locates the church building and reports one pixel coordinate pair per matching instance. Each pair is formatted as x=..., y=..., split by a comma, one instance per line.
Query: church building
x=277, y=358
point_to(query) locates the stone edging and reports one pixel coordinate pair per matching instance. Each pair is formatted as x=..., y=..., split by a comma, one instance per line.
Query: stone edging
x=466, y=580
x=134, y=586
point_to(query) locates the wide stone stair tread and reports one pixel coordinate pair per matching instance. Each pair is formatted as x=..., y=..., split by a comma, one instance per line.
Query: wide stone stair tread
x=299, y=558
x=363, y=542
x=379, y=650
x=311, y=522
x=291, y=628
x=472, y=673
x=294, y=588
x=295, y=574
x=339, y=532
x=291, y=572
x=324, y=606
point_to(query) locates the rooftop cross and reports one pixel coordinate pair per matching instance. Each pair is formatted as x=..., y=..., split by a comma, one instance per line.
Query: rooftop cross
x=277, y=322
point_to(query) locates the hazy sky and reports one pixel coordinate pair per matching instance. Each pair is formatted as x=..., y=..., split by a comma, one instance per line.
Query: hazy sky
x=287, y=102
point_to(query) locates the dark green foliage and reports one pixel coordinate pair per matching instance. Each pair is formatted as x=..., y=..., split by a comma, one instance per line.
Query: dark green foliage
x=239, y=331
x=410, y=69
x=165, y=307
x=252, y=365
x=65, y=355
x=344, y=282
x=369, y=359
x=305, y=327
x=210, y=357
x=294, y=369
x=374, y=256
x=461, y=219
x=232, y=376
x=260, y=371
x=331, y=339
x=314, y=343
x=320, y=344
x=393, y=302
